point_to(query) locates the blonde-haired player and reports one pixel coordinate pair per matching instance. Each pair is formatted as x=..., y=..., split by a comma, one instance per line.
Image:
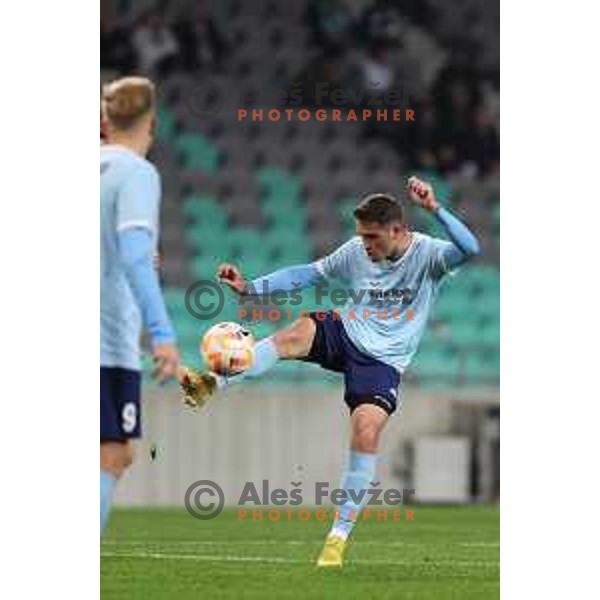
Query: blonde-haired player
x=130, y=294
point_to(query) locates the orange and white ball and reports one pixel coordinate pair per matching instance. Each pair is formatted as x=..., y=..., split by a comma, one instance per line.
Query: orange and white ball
x=227, y=348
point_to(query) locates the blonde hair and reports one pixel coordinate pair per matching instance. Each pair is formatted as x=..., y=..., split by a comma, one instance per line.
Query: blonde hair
x=125, y=101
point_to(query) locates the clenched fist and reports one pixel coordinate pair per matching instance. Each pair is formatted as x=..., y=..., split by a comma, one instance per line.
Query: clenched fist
x=232, y=276
x=421, y=193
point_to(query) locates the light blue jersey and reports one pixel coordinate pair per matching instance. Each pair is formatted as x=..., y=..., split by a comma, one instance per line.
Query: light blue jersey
x=399, y=294
x=130, y=192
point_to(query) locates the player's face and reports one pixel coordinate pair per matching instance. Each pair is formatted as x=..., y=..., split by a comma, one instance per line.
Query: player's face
x=380, y=241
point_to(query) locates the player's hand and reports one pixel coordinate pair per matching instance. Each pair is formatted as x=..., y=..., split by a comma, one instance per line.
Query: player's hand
x=421, y=193
x=166, y=361
x=231, y=275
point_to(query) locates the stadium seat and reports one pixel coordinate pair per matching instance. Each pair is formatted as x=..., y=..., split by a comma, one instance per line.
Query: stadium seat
x=437, y=365
x=205, y=209
x=277, y=182
x=203, y=265
x=174, y=299
x=287, y=245
x=488, y=305
x=451, y=306
x=271, y=201
x=496, y=218
x=490, y=333
x=466, y=332
x=479, y=277
x=206, y=239
x=479, y=367
x=166, y=125
x=346, y=208
x=293, y=217
x=293, y=255
x=197, y=152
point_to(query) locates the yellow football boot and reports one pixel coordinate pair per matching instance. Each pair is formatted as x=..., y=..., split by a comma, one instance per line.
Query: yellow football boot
x=196, y=388
x=332, y=554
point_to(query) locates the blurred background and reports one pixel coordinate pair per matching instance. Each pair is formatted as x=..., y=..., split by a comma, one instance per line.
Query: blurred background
x=266, y=194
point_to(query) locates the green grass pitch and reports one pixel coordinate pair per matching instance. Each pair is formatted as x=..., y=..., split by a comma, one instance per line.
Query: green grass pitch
x=447, y=552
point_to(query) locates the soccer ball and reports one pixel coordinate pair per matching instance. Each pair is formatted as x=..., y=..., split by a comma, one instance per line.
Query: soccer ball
x=227, y=348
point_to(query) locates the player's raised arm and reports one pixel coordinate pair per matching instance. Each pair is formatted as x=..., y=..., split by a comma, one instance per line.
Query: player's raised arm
x=287, y=279
x=464, y=243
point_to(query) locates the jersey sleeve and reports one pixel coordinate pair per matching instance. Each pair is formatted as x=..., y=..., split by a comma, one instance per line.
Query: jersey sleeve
x=463, y=245
x=338, y=264
x=439, y=250
x=138, y=200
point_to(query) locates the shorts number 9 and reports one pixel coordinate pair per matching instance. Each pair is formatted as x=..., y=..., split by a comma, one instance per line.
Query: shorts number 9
x=129, y=417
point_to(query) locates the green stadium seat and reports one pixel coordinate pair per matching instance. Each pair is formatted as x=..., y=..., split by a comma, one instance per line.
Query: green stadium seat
x=166, y=125
x=273, y=174
x=294, y=255
x=197, y=152
x=255, y=266
x=188, y=332
x=277, y=183
x=496, y=218
x=488, y=305
x=490, y=333
x=479, y=367
x=173, y=297
x=286, y=245
x=283, y=211
x=247, y=241
x=207, y=240
x=430, y=227
x=437, y=365
x=291, y=232
x=205, y=209
x=451, y=307
x=205, y=266
x=345, y=209
x=466, y=333
x=291, y=220
x=480, y=277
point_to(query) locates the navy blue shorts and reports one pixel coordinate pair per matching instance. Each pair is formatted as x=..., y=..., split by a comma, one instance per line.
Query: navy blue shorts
x=120, y=394
x=368, y=380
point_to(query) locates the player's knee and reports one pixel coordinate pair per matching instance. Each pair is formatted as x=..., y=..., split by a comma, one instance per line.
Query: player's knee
x=296, y=340
x=366, y=443
x=116, y=458
x=127, y=456
x=367, y=423
x=365, y=436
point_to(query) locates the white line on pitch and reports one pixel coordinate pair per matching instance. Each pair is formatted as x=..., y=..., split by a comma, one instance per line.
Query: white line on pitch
x=273, y=559
x=285, y=543
x=199, y=557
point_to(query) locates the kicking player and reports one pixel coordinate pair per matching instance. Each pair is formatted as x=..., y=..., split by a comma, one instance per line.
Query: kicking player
x=404, y=269
x=130, y=294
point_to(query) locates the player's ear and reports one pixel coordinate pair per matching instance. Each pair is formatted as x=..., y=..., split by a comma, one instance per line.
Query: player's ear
x=397, y=228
